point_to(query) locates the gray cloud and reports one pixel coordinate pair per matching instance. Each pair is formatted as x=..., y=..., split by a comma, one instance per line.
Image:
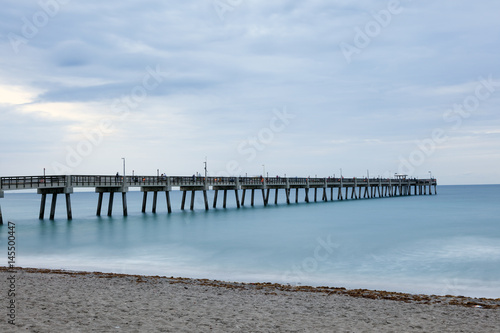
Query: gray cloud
x=225, y=76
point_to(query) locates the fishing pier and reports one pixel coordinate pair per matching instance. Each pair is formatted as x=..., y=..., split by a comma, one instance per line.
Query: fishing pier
x=339, y=188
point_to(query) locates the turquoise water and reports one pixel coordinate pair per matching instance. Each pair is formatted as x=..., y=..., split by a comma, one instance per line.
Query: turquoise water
x=444, y=244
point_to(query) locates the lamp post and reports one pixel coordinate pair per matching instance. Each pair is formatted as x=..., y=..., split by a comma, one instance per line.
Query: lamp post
x=340, y=172
x=430, y=175
x=205, y=163
x=263, y=170
x=123, y=158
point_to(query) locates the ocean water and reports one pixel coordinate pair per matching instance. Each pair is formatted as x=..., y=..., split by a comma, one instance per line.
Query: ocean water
x=441, y=244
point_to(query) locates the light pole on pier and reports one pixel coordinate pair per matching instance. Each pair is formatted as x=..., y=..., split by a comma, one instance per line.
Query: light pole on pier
x=263, y=170
x=430, y=175
x=123, y=158
x=205, y=163
x=340, y=172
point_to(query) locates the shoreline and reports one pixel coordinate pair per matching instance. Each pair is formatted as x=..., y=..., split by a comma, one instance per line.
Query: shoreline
x=457, y=300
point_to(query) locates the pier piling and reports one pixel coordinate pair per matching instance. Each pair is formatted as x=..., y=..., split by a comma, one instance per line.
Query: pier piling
x=191, y=207
x=215, y=198
x=144, y=201
x=124, y=203
x=169, y=206
x=205, y=199
x=1, y=218
x=99, y=205
x=243, y=197
x=110, y=204
x=184, y=200
x=155, y=198
x=42, y=206
x=68, y=207
x=237, y=198
x=111, y=190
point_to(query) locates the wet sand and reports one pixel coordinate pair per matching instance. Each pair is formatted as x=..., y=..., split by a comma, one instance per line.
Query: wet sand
x=65, y=301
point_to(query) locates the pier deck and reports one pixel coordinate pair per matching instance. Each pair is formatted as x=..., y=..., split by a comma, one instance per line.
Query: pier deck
x=353, y=188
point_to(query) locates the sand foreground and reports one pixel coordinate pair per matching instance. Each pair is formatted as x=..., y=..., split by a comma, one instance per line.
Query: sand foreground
x=61, y=301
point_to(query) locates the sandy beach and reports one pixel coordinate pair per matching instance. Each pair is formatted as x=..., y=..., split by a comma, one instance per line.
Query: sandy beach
x=62, y=301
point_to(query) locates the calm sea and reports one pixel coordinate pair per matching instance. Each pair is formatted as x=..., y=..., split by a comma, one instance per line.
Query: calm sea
x=444, y=244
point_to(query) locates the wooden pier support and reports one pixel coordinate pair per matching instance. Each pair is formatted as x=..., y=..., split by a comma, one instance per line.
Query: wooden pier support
x=169, y=206
x=237, y=198
x=42, y=206
x=191, y=207
x=68, y=206
x=124, y=203
x=111, y=190
x=55, y=191
x=99, y=204
x=243, y=197
x=144, y=201
x=1, y=218
x=215, y=198
x=205, y=199
x=155, y=198
x=53, y=206
x=183, y=202
x=155, y=189
x=253, y=197
x=110, y=204
x=225, y=190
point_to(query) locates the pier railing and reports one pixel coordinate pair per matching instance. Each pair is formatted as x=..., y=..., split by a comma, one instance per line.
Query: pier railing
x=32, y=182
x=35, y=182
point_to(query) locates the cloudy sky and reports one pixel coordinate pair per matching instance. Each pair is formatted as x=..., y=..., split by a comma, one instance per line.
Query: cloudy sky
x=293, y=87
